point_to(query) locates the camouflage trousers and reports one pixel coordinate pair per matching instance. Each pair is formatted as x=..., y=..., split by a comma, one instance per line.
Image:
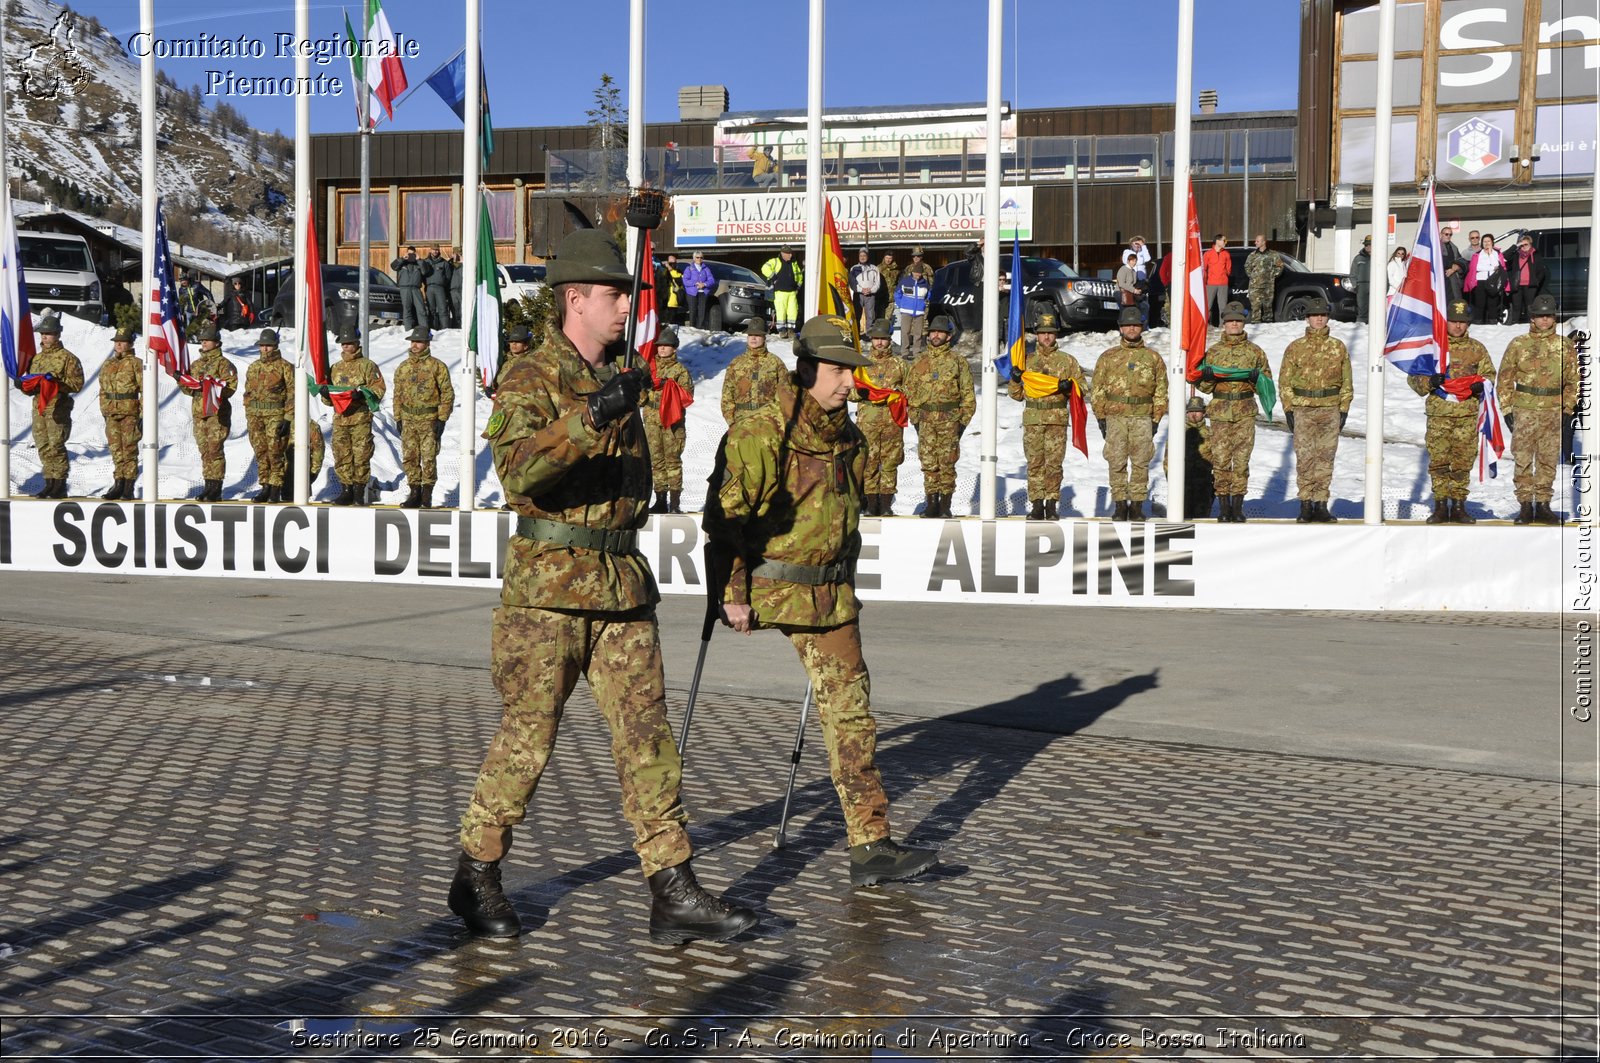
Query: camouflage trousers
x=50, y=431
x=1231, y=445
x=886, y=449
x=352, y=450
x=666, y=452
x=1130, y=446
x=1043, y=447
x=123, y=432
x=536, y=657
x=1260, y=303
x=842, y=689
x=1452, y=454
x=939, y=447
x=210, y=439
x=1536, y=446
x=1316, y=438
x=419, y=451
x=270, y=447
x=316, y=450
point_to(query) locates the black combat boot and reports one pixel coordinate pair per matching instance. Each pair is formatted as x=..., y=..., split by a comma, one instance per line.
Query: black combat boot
x=1543, y=514
x=61, y=489
x=118, y=490
x=414, y=499
x=1459, y=514
x=1524, y=515
x=267, y=494
x=674, y=498
x=1307, y=512
x=1322, y=514
x=477, y=898
x=1120, y=510
x=681, y=911
x=426, y=501
x=213, y=491
x=1050, y=510
x=886, y=505
x=204, y=494
x=1037, y=511
x=1238, y=509
x=48, y=490
x=344, y=496
x=886, y=860
x=1136, y=509
x=660, y=504
x=358, y=495
x=1442, y=508
x=930, y=507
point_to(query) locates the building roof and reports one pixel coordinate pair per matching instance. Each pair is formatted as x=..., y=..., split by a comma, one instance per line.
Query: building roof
x=205, y=263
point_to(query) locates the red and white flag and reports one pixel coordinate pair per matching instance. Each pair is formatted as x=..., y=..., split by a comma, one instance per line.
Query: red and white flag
x=649, y=321
x=315, y=340
x=16, y=327
x=1194, y=313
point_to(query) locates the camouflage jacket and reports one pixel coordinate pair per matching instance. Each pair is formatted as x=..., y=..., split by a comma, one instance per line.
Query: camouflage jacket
x=1315, y=371
x=1235, y=399
x=65, y=367
x=357, y=372
x=752, y=381
x=121, y=386
x=1468, y=357
x=890, y=272
x=216, y=365
x=888, y=370
x=1262, y=267
x=1052, y=409
x=667, y=368
x=1539, y=371
x=422, y=388
x=268, y=386
x=939, y=384
x=1130, y=380
x=791, y=493
x=554, y=466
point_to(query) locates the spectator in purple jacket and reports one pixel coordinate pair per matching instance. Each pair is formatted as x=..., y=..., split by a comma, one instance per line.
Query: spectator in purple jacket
x=700, y=284
x=1486, y=283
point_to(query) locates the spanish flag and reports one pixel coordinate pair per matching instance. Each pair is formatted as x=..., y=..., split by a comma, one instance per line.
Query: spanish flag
x=833, y=295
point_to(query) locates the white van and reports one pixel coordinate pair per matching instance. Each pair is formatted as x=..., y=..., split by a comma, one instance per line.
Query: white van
x=60, y=275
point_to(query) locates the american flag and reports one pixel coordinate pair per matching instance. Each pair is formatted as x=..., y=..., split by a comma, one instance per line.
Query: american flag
x=166, y=316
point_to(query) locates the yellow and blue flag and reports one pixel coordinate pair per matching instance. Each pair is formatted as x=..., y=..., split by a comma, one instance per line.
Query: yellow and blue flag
x=1016, y=350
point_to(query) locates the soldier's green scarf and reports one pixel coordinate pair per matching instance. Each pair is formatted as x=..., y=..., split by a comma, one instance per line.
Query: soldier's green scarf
x=1266, y=390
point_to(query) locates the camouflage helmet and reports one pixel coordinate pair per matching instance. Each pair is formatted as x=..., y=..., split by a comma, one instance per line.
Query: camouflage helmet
x=1458, y=310
x=880, y=330
x=348, y=334
x=420, y=334
x=916, y=252
x=668, y=338
x=1195, y=405
x=519, y=334
x=1316, y=305
x=1542, y=305
x=268, y=338
x=756, y=326
x=49, y=325
x=123, y=335
x=941, y=323
x=1234, y=312
x=828, y=338
x=208, y=331
x=588, y=256
x=1047, y=323
x=1130, y=315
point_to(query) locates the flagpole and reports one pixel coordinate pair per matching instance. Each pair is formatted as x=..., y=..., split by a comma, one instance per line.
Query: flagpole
x=150, y=443
x=815, y=283
x=10, y=222
x=471, y=158
x=1372, y=510
x=364, y=120
x=1178, y=287
x=302, y=262
x=1588, y=417
x=635, y=112
x=988, y=460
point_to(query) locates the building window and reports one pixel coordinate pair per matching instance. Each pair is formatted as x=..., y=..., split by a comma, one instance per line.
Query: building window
x=1488, y=77
x=1564, y=73
x=377, y=217
x=502, y=213
x=1358, y=84
x=427, y=217
x=1361, y=30
x=1356, y=139
x=1564, y=141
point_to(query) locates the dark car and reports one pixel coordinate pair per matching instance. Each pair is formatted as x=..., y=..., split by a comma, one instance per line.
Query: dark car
x=1297, y=285
x=741, y=294
x=1565, y=254
x=1080, y=303
x=341, y=298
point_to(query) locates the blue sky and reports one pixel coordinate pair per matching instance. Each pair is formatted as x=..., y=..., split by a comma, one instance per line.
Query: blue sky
x=1057, y=53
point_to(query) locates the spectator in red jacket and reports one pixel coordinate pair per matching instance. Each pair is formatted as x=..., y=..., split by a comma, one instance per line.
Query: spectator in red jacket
x=1218, y=269
x=1528, y=277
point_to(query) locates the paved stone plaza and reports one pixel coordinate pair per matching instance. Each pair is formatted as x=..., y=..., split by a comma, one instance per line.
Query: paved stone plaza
x=223, y=851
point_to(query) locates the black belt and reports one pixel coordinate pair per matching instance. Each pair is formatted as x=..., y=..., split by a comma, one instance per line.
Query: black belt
x=1315, y=393
x=602, y=539
x=748, y=405
x=1129, y=400
x=420, y=410
x=811, y=575
x=939, y=407
x=1235, y=396
x=1542, y=392
x=119, y=396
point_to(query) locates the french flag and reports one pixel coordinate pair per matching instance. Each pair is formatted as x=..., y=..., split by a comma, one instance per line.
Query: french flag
x=1417, y=343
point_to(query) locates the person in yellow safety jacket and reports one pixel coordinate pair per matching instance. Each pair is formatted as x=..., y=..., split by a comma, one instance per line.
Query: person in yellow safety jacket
x=785, y=278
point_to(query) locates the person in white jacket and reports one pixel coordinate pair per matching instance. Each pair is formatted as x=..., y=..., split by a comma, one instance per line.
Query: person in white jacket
x=1399, y=262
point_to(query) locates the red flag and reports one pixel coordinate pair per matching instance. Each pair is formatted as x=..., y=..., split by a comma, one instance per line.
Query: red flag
x=896, y=400
x=674, y=400
x=1194, y=314
x=316, y=340
x=1079, y=413
x=649, y=322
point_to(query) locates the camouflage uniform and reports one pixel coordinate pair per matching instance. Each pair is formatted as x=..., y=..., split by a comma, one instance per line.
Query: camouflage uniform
x=752, y=381
x=268, y=401
x=53, y=425
x=886, y=444
x=1129, y=393
x=939, y=390
x=352, y=429
x=1045, y=422
x=211, y=433
x=1232, y=412
x=1453, y=426
x=783, y=525
x=1262, y=267
x=316, y=448
x=890, y=272
x=571, y=610
x=1538, y=383
x=422, y=397
x=666, y=444
x=1315, y=386
x=121, y=404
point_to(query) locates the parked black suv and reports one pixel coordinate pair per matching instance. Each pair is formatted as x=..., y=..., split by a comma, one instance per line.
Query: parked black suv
x=1565, y=254
x=341, y=298
x=1082, y=303
x=1297, y=284
x=741, y=294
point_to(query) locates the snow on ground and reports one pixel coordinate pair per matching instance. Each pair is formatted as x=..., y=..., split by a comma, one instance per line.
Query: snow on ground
x=1406, y=490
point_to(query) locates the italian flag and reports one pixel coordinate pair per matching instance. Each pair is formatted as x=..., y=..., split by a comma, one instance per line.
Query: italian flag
x=375, y=63
x=484, y=336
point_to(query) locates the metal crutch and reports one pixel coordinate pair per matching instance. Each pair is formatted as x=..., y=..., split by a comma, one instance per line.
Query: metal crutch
x=794, y=766
x=699, y=666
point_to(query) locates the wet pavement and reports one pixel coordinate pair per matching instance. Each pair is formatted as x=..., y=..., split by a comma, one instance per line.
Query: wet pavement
x=219, y=850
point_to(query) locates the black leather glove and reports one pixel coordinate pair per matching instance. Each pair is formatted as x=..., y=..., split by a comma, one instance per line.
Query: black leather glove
x=1207, y=375
x=284, y=428
x=1101, y=421
x=1436, y=381
x=1016, y=374
x=1343, y=417
x=1289, y=416
x=618, y=399
x=322, y=389
x=1477, y=390
x=1255, y=375
x=438, y=430
x=1510, y=420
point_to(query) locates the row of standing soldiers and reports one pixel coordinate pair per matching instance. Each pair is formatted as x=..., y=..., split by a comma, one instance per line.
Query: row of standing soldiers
x=430, y=288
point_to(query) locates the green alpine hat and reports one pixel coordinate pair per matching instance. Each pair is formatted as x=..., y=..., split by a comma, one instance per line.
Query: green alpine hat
x=420, y=334
x=268, y=338
x=348, y=335
x=827, y=338
x=756, y=326
x=880, y=330
x=1315, y=305
x=942, y=323
x=208, y=331
x=49, y=325
x=588, y=256
x=1047, y=323
x=668, y=338
x=1542, y=305
x=1234, y=312
x=1130, y=316
x=519, y=334
x=1458, y=310
x=1195, y=405
x=123, y=335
